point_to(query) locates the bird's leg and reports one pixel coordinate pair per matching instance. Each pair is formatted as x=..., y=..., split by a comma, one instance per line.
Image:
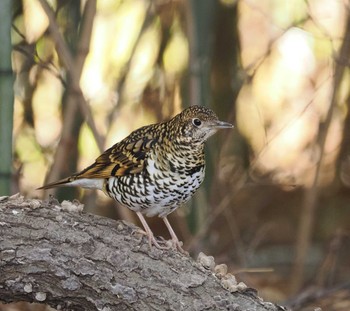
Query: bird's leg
x=149, y=233
x=175, y=241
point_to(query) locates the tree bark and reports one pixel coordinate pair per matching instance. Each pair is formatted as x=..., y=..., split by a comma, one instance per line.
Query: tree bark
x=55, y=254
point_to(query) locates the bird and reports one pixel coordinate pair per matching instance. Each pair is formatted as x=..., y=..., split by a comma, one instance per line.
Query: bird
x=155, y=169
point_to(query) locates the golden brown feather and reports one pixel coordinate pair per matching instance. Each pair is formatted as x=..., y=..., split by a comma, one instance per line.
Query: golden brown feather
x=124, y=158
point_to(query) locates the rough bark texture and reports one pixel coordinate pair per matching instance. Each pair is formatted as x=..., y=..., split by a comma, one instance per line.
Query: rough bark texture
x=70, y=260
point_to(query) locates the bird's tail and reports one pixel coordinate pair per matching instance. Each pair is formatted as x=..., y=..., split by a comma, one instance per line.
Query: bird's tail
x=77, y=181
x=59, y=183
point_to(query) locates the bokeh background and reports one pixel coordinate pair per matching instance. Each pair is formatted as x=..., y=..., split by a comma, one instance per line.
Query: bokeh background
x=275, y=205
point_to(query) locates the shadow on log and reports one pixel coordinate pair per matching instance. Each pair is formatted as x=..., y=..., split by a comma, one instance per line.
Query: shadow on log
x=57, y=255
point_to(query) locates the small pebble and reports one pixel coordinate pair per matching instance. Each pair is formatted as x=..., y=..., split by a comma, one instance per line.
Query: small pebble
x=241, y=286
x=207, y=262
x=220, y=270
x=229, y=282
x=35, y=203
x=40, y=296
x=74, y=206
x=28, y=288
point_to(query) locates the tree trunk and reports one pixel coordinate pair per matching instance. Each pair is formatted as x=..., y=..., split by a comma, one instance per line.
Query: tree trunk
x=54, y=254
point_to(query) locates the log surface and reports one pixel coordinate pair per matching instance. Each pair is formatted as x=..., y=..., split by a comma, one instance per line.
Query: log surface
x=72, y=260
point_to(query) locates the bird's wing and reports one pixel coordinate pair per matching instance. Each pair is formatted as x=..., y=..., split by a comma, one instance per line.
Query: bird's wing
x=124, y=158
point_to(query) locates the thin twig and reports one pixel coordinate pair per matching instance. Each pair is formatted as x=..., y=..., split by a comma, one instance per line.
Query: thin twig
x=48, y=65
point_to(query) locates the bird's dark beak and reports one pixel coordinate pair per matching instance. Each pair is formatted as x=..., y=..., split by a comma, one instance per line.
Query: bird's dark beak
x=220, y=125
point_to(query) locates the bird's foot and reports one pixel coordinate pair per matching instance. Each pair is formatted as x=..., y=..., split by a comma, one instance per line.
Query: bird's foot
x=153, y=241
x=176, y=244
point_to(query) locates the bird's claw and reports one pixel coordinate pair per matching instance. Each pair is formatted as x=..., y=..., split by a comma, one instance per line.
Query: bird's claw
x=167, y=244
x=177, y=245
x=152, y=241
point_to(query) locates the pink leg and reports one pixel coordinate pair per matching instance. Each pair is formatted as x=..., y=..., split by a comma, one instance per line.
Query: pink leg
x=176, y=243
x=149, y=233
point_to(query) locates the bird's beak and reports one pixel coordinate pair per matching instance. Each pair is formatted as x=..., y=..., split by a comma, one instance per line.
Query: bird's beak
x=220, y=124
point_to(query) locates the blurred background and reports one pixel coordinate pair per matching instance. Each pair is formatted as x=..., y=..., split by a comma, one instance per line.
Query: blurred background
x=275, y=205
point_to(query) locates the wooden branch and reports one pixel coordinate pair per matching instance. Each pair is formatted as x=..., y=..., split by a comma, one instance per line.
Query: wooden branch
x=70, y=260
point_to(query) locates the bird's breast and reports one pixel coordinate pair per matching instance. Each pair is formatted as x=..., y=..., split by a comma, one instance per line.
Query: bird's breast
x=159, y=189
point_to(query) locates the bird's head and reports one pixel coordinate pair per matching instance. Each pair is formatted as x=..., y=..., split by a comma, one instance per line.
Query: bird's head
x=196, y=124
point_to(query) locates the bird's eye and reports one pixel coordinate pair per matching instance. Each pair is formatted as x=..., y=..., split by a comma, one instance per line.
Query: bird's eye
x=196, y=122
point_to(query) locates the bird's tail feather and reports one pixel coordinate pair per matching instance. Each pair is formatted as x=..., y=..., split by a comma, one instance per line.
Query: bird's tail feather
x=76, y=181
x=60, y=183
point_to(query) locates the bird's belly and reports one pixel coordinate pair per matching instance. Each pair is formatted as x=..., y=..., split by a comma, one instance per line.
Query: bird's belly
x=154, y=195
